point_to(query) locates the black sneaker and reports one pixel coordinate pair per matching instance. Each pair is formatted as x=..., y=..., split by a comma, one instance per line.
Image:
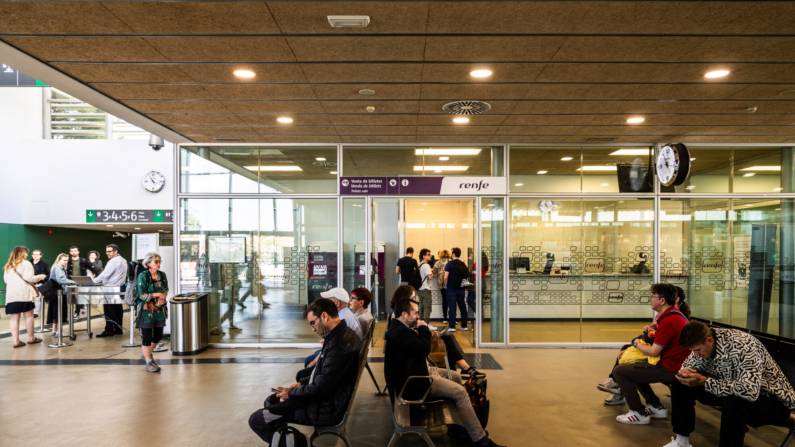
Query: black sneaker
x=106, y=334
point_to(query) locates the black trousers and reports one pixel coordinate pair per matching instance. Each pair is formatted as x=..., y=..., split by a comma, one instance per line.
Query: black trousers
x=52, y=310
x=266, y=420
x=151, y=335
x=444, y=302
x=736, y=415
x=113, y=317
x=454, y=351
x=304, y=373
x=623, y=348
x=637, y=377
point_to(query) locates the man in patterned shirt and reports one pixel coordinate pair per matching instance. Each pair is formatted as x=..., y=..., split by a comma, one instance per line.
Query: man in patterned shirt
x=733, y=370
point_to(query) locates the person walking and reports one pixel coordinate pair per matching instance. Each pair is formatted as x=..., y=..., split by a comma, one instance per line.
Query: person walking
x=152, y=290
x=438, y=273
x=39, y=268
x=114, y=275
x=58, y=274
x=21, y=293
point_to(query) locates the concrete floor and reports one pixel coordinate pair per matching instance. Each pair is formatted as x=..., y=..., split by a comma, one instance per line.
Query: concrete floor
x=540, y=397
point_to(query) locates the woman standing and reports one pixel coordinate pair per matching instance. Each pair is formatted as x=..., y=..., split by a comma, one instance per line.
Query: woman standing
x=93, y=258
x=21, y=293
x=152, y=289
x=58, y=274
x=438, y=272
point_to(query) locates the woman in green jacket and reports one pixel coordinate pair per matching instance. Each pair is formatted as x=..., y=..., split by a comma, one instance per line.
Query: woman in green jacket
x=152, y=289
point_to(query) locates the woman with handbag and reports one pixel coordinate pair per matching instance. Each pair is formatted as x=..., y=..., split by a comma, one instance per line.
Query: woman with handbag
x=59, y=277
x=152, y=289
x=21, y=293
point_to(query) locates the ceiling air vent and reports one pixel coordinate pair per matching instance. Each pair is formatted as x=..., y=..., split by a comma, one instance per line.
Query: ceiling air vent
x=228, y=140
x=602, y=139
x=466, y=107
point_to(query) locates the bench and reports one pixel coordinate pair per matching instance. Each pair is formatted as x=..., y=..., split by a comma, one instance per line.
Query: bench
x=783, y=352
x=340, y=430
x=416, y=416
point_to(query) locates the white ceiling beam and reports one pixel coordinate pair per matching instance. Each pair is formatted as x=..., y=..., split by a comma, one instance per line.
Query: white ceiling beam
x=31, y=66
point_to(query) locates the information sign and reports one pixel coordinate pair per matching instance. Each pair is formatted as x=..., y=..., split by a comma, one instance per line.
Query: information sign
x=423, y=185
x=133, y=216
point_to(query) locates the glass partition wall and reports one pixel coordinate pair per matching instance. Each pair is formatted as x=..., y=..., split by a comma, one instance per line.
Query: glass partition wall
x=567, y=257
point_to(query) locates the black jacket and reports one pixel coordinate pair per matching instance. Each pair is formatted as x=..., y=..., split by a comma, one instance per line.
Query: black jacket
x=405, y=355
x=326, y=398
x=84, y=267
x=41, y=268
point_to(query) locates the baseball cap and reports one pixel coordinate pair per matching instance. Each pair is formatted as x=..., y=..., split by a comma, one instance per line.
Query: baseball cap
x=338, y=293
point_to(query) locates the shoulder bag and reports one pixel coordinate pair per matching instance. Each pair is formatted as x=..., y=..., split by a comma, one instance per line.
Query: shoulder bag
x=23, y=280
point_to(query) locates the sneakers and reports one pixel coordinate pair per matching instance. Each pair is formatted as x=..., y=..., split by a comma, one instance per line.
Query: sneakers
x=633, y=417
x=657, y=413
x=615, y=399
x=609, y=386
x=76, y=315
x=464, y=329
x=152, y=367
x=673, y=443
x=54, y=333
x=451, y=329
x=433, y=328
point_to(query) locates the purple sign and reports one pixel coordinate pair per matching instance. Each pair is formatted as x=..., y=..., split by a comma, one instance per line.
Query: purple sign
x=422, y=185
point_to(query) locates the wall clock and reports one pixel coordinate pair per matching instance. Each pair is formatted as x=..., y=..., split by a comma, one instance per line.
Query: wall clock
x=154, y=181
x=546, y=206
x=673, y=164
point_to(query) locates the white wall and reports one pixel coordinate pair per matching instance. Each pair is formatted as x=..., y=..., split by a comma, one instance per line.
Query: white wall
x=21, y=113
x=54, y=182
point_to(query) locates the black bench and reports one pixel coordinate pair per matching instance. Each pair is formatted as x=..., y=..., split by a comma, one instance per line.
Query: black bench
x=340, y=430
x=783, y=352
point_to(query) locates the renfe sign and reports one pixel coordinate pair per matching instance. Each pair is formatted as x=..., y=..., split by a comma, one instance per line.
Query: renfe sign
x=446, y=186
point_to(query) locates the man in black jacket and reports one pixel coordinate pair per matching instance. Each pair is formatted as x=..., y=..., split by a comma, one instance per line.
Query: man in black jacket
x=82, y=265
x=39, y=268
x=405, y=356
x=322, y=398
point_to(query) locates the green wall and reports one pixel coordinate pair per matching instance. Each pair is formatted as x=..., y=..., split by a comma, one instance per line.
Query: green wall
x=37, y=238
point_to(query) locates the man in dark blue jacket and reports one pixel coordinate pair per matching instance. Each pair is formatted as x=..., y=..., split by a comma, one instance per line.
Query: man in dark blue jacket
x=322, y=398
x=406, y=350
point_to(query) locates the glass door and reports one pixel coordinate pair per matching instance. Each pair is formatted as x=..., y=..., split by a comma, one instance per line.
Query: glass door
x=491, y=276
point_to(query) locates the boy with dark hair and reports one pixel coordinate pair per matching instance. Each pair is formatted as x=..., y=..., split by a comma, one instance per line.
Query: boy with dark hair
x=456, y=294
x=733, y=370
x=406, y=266
x=424, y=295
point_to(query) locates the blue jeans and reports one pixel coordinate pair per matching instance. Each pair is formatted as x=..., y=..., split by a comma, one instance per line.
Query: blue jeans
x=309, y=359
x=456, y=296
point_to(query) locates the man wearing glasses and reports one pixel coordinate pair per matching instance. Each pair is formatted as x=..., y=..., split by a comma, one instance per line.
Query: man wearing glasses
x=115, y=274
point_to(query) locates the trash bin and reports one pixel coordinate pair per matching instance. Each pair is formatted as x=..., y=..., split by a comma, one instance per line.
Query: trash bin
x=190, y=323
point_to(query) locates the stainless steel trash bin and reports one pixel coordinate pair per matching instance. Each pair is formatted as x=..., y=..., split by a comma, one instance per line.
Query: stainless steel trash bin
x=190, y=323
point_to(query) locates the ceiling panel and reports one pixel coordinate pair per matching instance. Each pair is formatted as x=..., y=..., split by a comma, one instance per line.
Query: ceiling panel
x=576, y=91
x=59, y=18
x=222, y=49
x=772, y=17
x=751, y=49
x=483, y=48
x=537, y=130
x=178, y=106
x=623, y=49
x=260, y=91
x=298, y=120
x=224, y=72
x=455, y=92
x=382, y=91
x=457, y=130
x=357, y=48
x=766, y=130
x=638, y=17
x=194, y=17
x=112, y=49
x=296, y=130
x=383, y=120
x=215, y=130
x=281, y=107
x=497, y=107
x=682, y=91
x=505, y=17
x=765, y=91
x=125, y=73
x=154, y=91
x=380, y=106
x=724, y=119
x=689, y=72
x=377, y=130
x=474, y=120
x=199, y=120
x=434, y=72
x=386, y=17
x=598, y=72
x=372, y=72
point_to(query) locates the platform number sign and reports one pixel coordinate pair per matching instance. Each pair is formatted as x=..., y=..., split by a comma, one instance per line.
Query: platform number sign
x=131, y=216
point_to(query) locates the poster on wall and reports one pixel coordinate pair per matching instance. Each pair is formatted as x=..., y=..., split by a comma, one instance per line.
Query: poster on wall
x=742, y=254
x=145, y=243
x=229, y=250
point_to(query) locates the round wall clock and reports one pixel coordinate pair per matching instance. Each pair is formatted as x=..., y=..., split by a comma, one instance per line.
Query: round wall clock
x=673, y=164
x=546, y=206
x=154, y=181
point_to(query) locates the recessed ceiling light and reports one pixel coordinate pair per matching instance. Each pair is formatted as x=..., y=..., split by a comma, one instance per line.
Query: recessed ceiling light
x=437, y=171
x=447, y=151
x=542, y=172
x=777, y=189
x=366, y=92
x=692, y=159
x=636, y=120
x=441, y=168
x=716, y=74
x=274, y=168
x=566, y=159
x=480, y=73
x=161, y=230
x=108, y=225
x=320, y=159
x=444, y=158
x=244, y=73
x=333, y=172
x=605, y=184
x=778, y=209
x=136, y=228
x=597, y=168
x=348, y=21
x=460, y=120
x=631, y=152
x=762, y=168
x=519, y=184
x=787, y=92
x=284, y=120
x=424, y=203
x=749, y=175
x=690, y=187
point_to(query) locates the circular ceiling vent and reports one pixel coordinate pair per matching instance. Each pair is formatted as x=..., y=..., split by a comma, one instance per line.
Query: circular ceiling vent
x=466, y=107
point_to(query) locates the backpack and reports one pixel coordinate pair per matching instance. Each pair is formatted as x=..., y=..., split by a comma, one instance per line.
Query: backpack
x=650, y=339
x=130, y=292
x=462, y=275
x=417, y=280
x=287, y=436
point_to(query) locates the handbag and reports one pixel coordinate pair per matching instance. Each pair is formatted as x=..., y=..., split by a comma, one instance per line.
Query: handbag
x=50, y=289
x=438, y=350
x=476, y=388
x=23, y=280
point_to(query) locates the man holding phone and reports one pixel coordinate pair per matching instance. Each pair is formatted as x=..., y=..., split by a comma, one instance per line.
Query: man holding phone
x=731, y=369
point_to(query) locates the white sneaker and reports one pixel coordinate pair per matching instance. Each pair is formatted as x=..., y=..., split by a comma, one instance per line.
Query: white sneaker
x=657, y=413
x=610, y=386
x=673, y=443
x=54, y=333
x=464, y=329
x=433, y=328
x=615, y=399
x=633, y=417
x=76, y=315
x=451, y=329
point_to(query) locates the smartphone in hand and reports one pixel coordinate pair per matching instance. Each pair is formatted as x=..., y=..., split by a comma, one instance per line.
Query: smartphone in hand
x=276, y=390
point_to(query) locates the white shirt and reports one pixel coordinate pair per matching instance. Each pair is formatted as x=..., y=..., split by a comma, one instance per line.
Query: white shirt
x=348, y=316
x=425, y=272
x=115, y=274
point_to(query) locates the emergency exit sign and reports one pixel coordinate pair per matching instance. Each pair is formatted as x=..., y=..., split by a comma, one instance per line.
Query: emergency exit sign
x=131, y=216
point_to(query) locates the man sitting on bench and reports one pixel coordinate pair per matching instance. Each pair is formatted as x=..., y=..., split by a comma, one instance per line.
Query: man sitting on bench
x=733, y=370
x=322, y=398
x=408, y=343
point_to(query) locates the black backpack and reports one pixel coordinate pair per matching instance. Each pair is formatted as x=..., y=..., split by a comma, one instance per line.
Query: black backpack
x=287, y=436
x=416, y=278
x=461, y=274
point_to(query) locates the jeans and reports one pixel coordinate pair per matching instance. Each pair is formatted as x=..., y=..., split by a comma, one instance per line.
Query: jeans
x=445, y=388
x=265, y=420
x=425, y=298
x=456, y=297
x=443, y=291
x=736, y=414
x=634, y=377
x=309, y=359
